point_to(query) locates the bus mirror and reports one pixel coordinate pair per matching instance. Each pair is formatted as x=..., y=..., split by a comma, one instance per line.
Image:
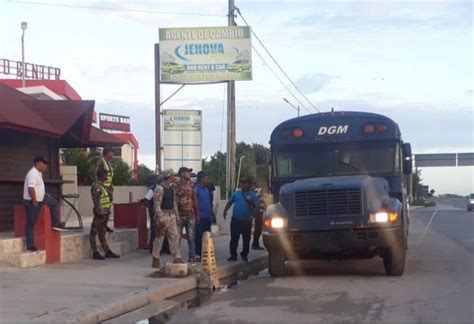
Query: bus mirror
x=407, y=159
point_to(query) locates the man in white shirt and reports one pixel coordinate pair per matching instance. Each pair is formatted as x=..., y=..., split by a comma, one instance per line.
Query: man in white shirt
x=34, y=196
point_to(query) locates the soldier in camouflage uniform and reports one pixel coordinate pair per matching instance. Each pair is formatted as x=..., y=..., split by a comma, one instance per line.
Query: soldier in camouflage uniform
x=188, y=208
x=166, y=211
x=102, y=205
x=104, y=163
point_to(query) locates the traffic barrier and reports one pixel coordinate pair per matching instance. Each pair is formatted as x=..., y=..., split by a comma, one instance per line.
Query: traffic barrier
x=209, y=279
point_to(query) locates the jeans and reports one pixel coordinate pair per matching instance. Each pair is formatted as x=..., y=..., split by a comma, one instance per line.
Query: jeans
x=203, y=226
x=189, y=223
x=237, y=228
x=32, y=213
x=257, y=233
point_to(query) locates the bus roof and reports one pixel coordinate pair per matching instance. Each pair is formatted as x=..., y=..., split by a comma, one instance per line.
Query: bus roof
x=341, y=126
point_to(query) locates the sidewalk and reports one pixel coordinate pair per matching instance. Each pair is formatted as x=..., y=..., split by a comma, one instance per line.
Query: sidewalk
x=90, y=289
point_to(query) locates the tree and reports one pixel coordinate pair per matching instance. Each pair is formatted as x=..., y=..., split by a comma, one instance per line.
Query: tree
x=143, y=175
x=87, y=166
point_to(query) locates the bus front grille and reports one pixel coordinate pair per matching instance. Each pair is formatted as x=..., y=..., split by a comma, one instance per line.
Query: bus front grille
x=335, y=203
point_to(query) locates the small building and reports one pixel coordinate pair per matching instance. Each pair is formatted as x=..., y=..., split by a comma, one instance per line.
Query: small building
x=31, y=127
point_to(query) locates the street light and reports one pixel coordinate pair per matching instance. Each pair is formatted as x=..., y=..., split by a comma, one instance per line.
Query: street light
x=294, y=107
x=24, y=26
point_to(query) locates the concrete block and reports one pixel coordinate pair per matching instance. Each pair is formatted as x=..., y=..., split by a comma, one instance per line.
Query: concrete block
x=12, y=245
x=32, y=259
x=176, y=270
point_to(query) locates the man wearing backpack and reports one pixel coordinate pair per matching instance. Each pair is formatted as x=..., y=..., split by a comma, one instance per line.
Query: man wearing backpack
x=246, y=205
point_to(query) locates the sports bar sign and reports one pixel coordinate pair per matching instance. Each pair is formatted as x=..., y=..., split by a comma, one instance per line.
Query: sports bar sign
x=32, y=71
x=208, y=54
x=114, y=122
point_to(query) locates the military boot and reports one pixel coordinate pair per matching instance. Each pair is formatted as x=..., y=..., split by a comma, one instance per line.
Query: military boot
x=156, y=263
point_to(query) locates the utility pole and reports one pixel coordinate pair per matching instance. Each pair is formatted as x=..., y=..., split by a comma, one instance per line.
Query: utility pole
x=158, y=165
x=231, y=138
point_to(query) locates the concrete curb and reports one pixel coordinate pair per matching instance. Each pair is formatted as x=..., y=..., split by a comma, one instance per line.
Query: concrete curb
x=142, y=298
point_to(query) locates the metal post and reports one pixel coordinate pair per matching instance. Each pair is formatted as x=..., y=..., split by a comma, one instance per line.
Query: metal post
x=157, y=110
x=231, y=127
x=240, y=168
x=24, y=25
x=299, y=110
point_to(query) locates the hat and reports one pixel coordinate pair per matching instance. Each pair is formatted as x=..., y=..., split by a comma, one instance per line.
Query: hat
x=167, y=173
x=41, y=159
x=184, y=169
x=245, y=180
x=201, y=174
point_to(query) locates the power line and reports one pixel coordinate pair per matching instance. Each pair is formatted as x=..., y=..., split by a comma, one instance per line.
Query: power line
x=277, y=64
x=279, y=79
x=145, y=11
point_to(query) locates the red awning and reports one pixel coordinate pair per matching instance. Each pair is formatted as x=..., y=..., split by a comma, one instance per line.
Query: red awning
x=68, y=121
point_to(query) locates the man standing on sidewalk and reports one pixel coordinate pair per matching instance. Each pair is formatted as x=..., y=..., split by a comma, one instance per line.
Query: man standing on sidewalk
x=246, y=205
x=34, y=197
x=104, y=163
x=102, y=205
x=203, y=196
x=257, y=231
x=187, y=208
x=166, y=211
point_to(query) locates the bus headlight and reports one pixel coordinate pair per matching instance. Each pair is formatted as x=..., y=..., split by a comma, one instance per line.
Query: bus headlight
x=278, y=222
x=384, y=217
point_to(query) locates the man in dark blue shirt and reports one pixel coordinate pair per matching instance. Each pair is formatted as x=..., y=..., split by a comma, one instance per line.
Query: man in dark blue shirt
x=246, y=204
x=205, y=211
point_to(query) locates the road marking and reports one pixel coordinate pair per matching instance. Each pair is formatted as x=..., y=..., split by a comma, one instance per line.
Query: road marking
x=427, y=228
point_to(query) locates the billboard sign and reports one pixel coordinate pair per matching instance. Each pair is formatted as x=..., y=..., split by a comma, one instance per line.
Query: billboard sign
x=435, y=160
x=182, y=139
x=114, y=122
x=208, y=54
x=182, y=120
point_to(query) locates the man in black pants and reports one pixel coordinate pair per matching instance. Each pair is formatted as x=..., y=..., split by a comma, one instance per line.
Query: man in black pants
x=257, y=232
x=246, y=204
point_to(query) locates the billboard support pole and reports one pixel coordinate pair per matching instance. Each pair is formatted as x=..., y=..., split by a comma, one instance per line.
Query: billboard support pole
x=157, y=110
x=231, y=127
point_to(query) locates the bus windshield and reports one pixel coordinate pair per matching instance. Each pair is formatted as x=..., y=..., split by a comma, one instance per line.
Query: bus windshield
x=350, y=158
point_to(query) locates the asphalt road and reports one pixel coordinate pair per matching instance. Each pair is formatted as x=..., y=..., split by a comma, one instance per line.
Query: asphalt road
x=437, y=286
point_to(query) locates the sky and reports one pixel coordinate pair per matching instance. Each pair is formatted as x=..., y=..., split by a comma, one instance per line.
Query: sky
x=411, y=61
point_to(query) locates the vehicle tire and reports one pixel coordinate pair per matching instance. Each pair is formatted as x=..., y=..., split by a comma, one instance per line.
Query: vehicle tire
x=276, y=264
x=394, y=258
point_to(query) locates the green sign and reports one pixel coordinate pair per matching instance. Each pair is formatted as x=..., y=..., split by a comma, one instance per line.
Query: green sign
x=209, y=54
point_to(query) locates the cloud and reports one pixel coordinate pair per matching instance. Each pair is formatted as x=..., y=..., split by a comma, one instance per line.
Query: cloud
x=355, y=15
x=313, y=82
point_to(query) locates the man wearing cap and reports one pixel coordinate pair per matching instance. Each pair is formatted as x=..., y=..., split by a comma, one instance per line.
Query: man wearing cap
x=34, y=197
x=187, y=208
x=104, y=163
x=246, y=205
x=203, y=196
x=166, y=211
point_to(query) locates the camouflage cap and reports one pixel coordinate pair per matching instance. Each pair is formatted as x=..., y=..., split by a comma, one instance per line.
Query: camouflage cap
x=167, y=173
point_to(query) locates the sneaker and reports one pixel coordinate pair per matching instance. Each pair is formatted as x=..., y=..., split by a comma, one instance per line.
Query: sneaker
x=192, y=260
x=31, y=249
x=111, y=255
x=59, y=227
x=257, y=247
x=97, y=256
x=109, y=230
x=245, y=258
x=232, y=259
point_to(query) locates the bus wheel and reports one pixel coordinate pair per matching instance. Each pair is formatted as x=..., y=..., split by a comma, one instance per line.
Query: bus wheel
x=394, y=258
x=276, y=264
